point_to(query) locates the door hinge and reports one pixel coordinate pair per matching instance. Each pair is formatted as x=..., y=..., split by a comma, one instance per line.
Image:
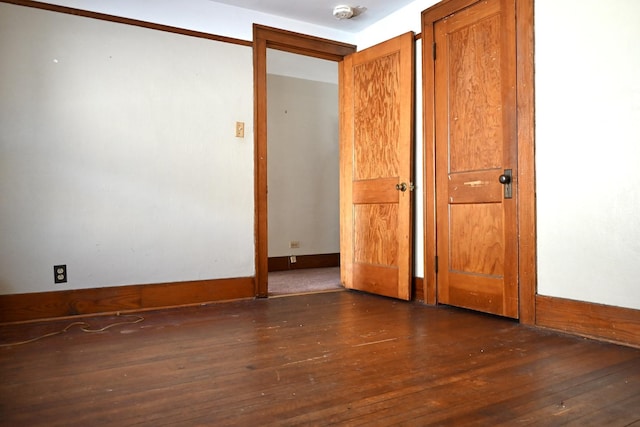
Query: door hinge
x=436, y=264
x=434, y=51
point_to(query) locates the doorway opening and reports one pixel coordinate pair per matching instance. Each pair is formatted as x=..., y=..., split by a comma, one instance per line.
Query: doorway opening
x=302, y=173
x=307, y=46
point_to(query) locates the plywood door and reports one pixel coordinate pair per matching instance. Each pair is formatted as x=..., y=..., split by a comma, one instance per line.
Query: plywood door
x=475, y=142
x=376, y=165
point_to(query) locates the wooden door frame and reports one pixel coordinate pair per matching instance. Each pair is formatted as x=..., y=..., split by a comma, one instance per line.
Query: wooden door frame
x=525, y=179
x=273, y=38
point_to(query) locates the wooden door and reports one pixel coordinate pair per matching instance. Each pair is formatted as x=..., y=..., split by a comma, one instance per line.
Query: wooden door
x=376, y=168
x=475, y=157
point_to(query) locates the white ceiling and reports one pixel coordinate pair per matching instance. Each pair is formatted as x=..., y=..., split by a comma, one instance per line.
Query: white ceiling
x=320, y=12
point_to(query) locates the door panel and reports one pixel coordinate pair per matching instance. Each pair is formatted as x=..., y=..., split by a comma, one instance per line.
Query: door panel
x=376, y=157
x=474, y=82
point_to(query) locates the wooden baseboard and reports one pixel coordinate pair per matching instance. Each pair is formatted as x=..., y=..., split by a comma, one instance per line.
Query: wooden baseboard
x=47, y=305
x=283, y=263
x=603, y=322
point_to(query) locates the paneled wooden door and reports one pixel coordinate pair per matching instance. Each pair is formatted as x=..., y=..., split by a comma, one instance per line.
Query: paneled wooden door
x=376, y=168
x=475, y=157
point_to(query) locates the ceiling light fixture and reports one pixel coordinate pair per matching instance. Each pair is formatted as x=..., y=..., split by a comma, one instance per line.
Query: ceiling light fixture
x=343, y=12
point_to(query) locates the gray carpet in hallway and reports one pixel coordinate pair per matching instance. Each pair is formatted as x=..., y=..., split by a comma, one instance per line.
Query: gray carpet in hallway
x=304, y=281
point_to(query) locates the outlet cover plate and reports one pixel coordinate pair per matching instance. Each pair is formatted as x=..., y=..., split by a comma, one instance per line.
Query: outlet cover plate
x=60, y=273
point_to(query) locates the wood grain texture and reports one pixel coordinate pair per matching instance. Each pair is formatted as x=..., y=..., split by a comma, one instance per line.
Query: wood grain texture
x=418, y=290
x=527, y=273
x=381, y=190
x=344, y=358
x=474, y=142
x=526, y=245
x=481, y=293
x=429, y=158
x=476, y=299
x=376, y=154
x=616, y=324
x=375, y=234
x=477, y=242
x=508, y=59
x=345, y=93
x=264, y=38
x=261, y=221
x=45, y=305
x=475, y=187
x=303, y=44
x=475, y=93
x=377, y=107
x=377, y=279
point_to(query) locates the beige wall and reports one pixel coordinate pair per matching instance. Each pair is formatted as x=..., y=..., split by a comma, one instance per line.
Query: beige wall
x=118, y=155
x=303, y=168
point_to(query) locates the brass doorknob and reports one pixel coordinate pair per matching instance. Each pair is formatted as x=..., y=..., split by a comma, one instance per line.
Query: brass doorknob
x=401, y=187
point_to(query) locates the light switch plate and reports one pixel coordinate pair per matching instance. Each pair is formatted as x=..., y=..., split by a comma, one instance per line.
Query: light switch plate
x=240, y=129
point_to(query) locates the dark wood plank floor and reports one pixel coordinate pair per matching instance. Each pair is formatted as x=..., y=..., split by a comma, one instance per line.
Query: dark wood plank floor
x=341, y=358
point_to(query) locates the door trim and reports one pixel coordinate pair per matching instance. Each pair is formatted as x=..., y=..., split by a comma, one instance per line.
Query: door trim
x=526, y=214
x=263, y=38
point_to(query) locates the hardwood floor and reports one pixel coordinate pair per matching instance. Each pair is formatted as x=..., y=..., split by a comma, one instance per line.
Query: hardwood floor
x=341, y=358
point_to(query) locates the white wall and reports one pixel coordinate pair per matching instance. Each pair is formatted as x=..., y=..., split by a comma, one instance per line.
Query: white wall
x=303, y=166
x=283, y=63
x=118, y=155
x=203, y=15
x=588, y=150
x=406, y=19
